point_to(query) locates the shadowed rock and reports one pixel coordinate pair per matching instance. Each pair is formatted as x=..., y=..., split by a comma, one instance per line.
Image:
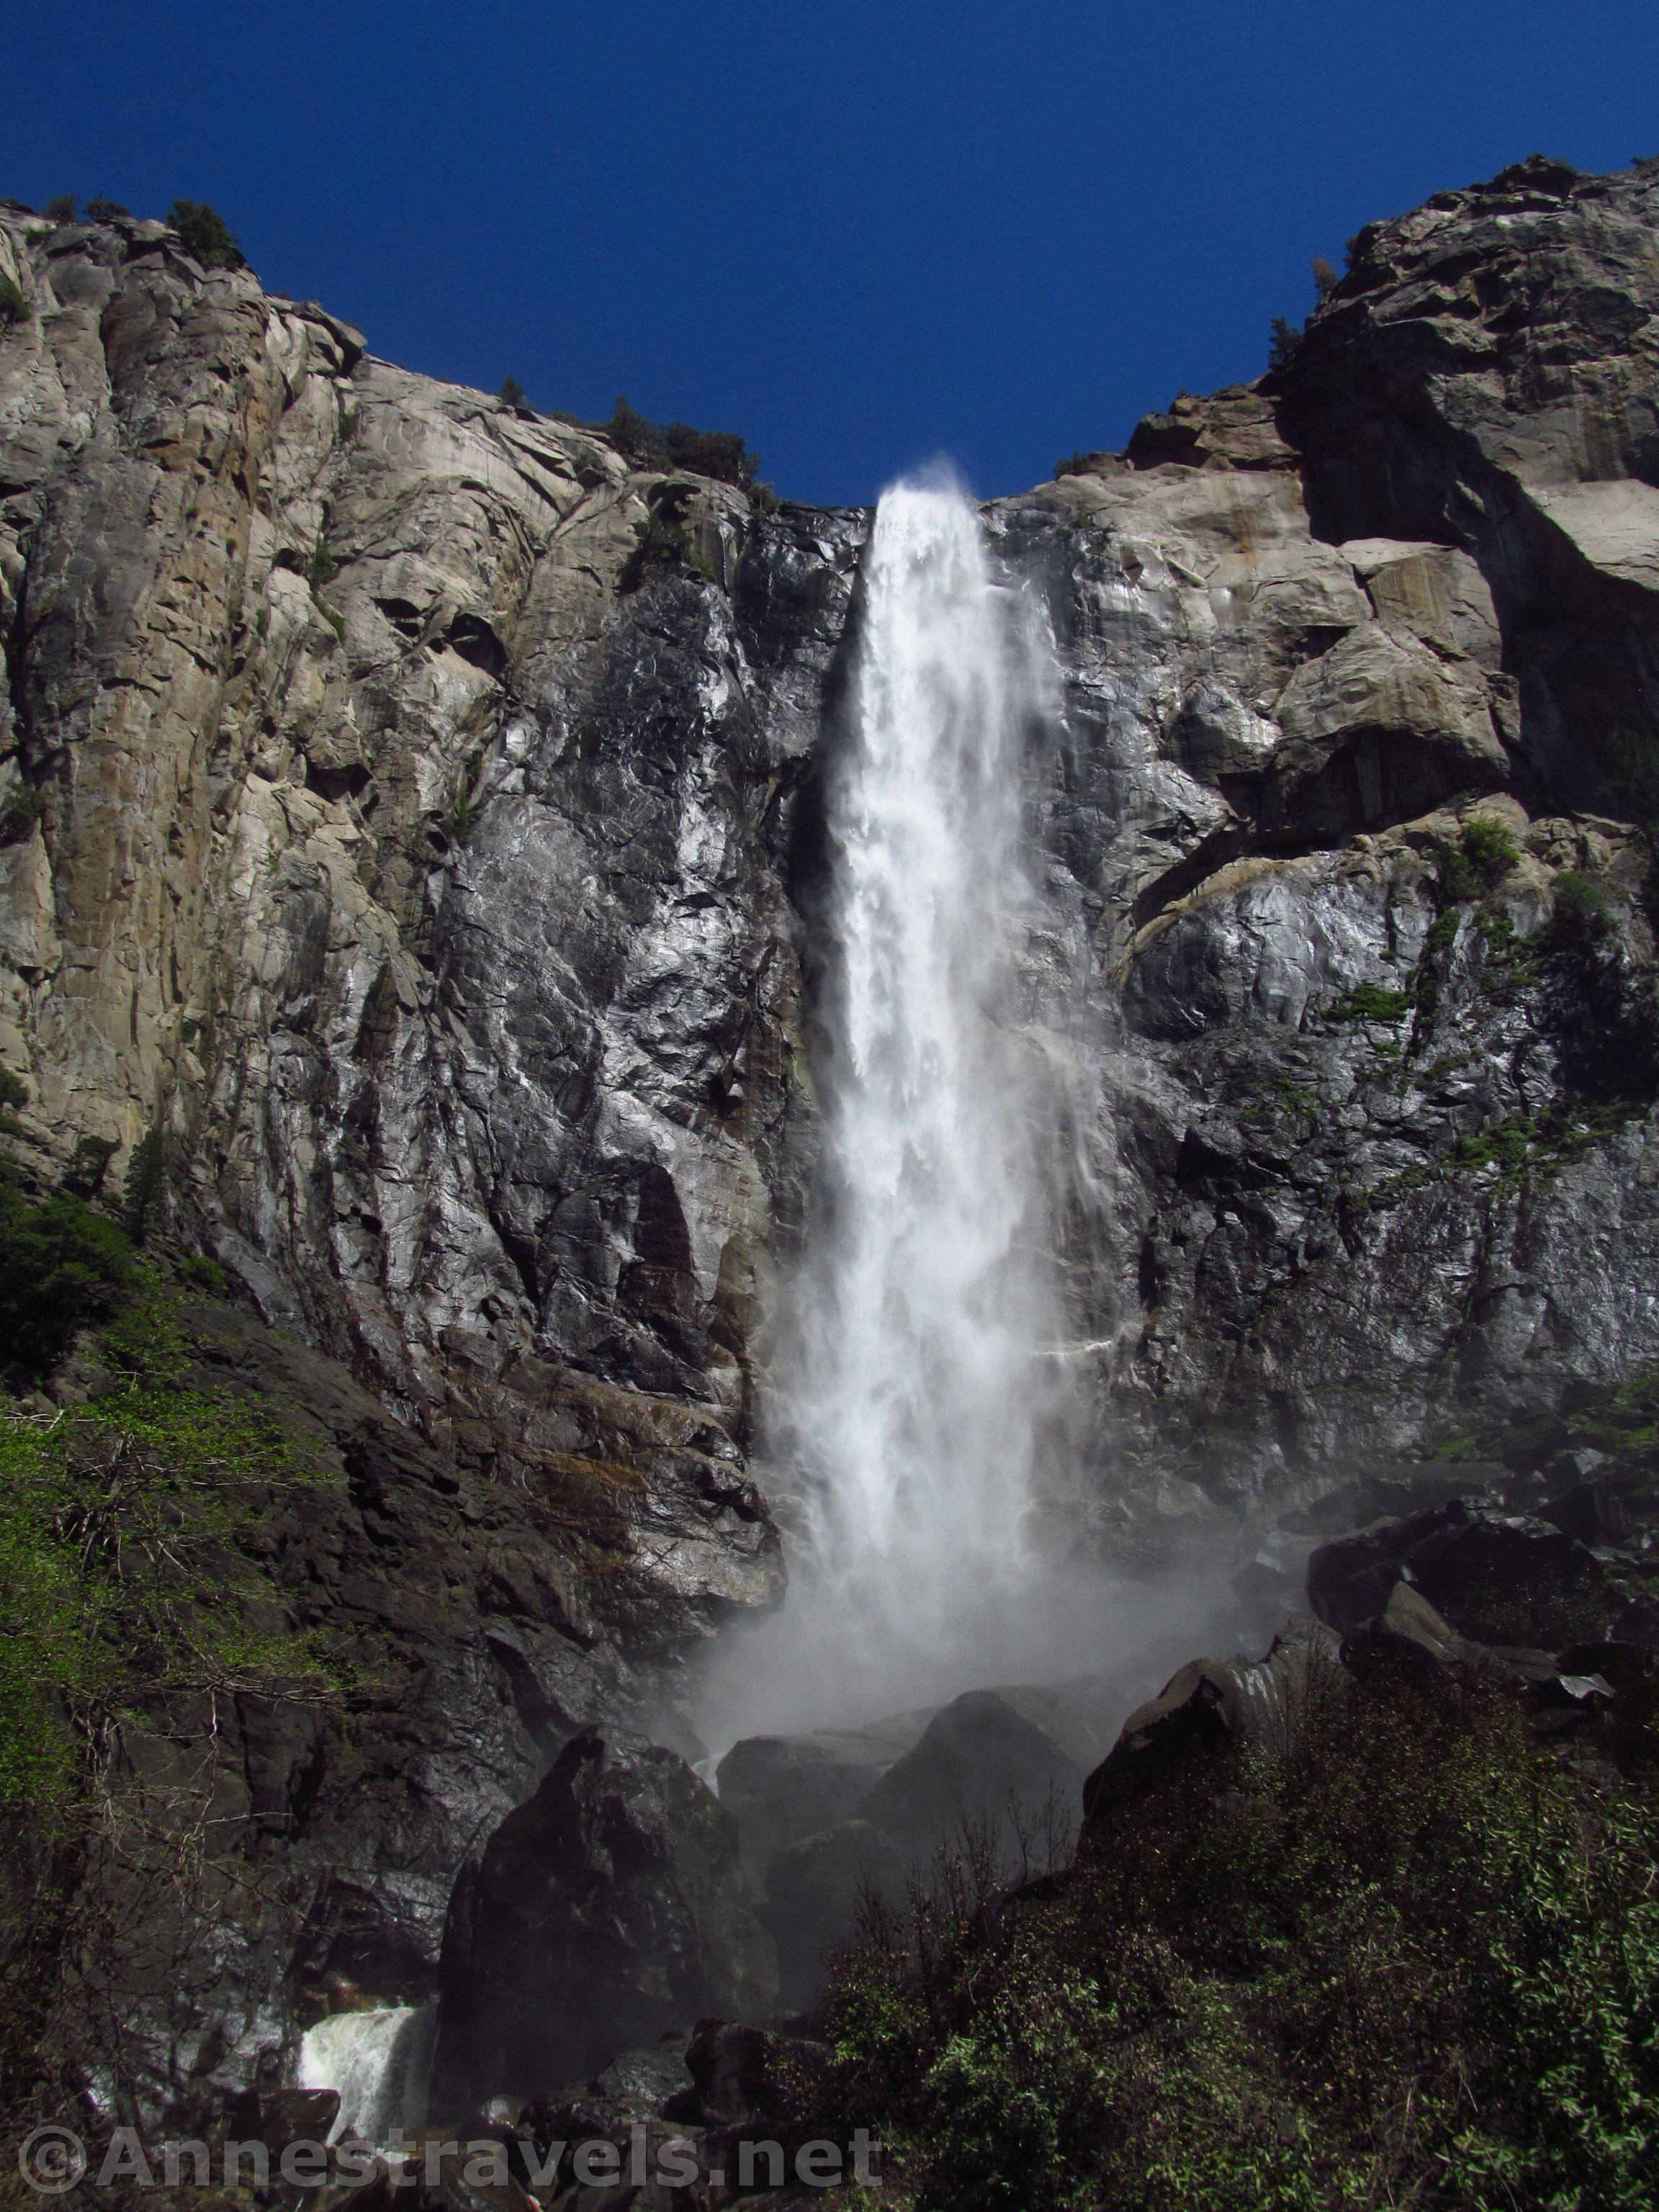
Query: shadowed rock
x=605, y=1909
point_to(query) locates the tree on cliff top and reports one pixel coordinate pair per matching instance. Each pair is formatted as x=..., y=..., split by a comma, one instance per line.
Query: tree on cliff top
x=205, y=235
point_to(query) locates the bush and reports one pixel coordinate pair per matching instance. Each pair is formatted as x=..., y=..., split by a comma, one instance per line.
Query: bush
x=322, y=568
x=721, y=454
x=205, y=235
x=121, y=1536
x=512, y=393
x=1415, y=1961
x=61, y=1267
x=64, y=208
x=661, y=545
x=22, y=807
x=1284, y=338
x=100, y=209
x=1370, y=1002
x=1484, y=855
x=635, y=436
x=1326, y=278
x=1580, y=915
x=14, y=308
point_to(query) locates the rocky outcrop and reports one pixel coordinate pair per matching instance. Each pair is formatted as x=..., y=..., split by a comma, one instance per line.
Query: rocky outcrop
x=604, y=1910
x=443, y=886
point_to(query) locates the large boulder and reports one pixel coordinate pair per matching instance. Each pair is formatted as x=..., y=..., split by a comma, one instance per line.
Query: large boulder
x=1499, y=1578
x=606, y=1909
x=1213, y=1705
x=781, y=1788
x=812, y=1895
x=1006, y=1757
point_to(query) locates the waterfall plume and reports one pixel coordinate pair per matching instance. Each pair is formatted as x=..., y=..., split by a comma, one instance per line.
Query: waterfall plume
x=912, y=1401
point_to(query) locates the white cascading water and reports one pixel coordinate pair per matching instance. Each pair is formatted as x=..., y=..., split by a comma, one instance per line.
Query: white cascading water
x=378, y=2060
x=914, y=1401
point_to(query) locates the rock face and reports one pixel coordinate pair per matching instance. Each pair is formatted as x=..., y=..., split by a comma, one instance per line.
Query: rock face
x=609, y=1907
x=443, y=889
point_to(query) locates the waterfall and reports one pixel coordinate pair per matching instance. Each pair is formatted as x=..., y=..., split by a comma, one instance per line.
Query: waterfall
x=378, y=2060
x=913, y=1403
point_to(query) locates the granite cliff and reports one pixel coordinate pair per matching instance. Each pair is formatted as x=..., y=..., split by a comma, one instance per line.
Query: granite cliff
x=436, y=876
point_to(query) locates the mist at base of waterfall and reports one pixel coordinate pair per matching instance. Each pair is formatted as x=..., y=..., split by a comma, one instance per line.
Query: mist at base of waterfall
x=822, y=1662
x=926, y=1436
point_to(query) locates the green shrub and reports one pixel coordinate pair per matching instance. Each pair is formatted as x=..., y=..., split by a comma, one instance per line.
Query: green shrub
x=100, y=210
x=512, y=393
x=635, y=436
x=61, y=1267
x=644, y=444
x=1284, y=338
x=125, y=1533
x=14, y=1094
x=203, y=1274
x=322, y=568
x=14, y=308
x=1484, y=854
x=64, y=208
x=1370, y=1002
x=146, y=1185
x=22, y=807
x=205, y=235
x=1579, y=913
x=1415, y=1961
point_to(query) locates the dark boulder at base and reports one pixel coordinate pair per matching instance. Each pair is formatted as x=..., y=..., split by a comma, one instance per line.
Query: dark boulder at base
x=1003, y=1756
x=781, y=1788
x=1210, y=1705
x=812, y=1896
x=607, y=1908
x=1498, y=1577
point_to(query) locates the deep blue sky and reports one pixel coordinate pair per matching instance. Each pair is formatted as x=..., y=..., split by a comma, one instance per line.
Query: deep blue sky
x=863, y=232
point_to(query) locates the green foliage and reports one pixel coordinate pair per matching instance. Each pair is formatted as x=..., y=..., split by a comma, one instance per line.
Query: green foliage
x=205, y=235
x=1370, y=1002
x=100, y=209
x=662, y=544
x=24, y=805
x=61, y=1267
x=1629, y=763
x=1579, y=913
x=1415, y=1961
x=129, y=1534
x=64, y=208
x=719, y=453
x=14, y=308
x=13, y=1094
x=1284, y=338
x=1484, y=856
x=1075, y=465
x=146, y=1185
x=635, y=436
x=512, y=393
x=204, y=1273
